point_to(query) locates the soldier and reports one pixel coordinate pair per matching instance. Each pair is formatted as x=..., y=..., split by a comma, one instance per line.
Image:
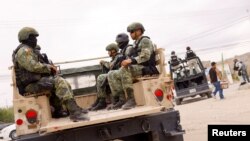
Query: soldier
x=33, y=76
x=176, y=68
x=242, y=71
x=57, y=107
x=141, y=61
x=192, y=63
x=122, y=41
x=114, y=64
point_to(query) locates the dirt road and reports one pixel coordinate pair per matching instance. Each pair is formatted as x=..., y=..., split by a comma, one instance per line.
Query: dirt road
x=197, y=113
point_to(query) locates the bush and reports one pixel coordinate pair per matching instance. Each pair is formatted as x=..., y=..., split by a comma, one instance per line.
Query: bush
x=7, y=115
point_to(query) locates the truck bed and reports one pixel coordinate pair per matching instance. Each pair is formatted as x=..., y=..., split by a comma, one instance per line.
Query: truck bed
x=97, y=117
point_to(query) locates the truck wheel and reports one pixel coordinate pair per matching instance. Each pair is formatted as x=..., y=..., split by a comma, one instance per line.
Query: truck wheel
x=203, y=95
x=13, y=135
x=178, y=101
x=209, y=95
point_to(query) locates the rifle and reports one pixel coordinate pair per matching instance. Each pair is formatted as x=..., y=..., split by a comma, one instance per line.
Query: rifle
x=115, y=65
x=43, y=58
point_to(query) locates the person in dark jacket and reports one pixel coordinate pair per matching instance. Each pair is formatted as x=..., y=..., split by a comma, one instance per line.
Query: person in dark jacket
x=215, y=76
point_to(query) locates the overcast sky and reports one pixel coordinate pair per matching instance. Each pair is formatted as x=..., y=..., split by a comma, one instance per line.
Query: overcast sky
x=78, y=29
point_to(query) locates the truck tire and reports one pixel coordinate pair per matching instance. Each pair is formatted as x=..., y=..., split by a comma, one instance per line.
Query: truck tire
x=203, y=95
x=209, y=95
x=178, y=101
x=13, y=135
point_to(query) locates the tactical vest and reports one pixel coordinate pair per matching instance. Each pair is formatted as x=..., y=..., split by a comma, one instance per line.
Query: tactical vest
x=123, y=51
x=150, y=65
x=116, y=63
x=174, y=60
x=190, y=55
x=23, y=77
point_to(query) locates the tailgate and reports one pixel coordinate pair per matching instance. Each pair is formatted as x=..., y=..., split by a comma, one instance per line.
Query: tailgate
x=98, y=117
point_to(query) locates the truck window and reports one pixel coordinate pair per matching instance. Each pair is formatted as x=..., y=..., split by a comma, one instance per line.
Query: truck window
x=83, y=81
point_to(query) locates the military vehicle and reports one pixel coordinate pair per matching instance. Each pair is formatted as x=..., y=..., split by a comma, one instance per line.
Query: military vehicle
x=153, y=119
x=190, y=85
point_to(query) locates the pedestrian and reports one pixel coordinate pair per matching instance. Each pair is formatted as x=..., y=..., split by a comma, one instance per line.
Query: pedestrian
x=215, y=76
x=242, y=71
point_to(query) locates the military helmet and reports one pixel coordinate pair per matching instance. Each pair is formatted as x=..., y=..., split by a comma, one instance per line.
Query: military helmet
x=173, y=53
x=188, y=48
x=25, y=32
x=135, y=26
x=122, y=37
x=112, y=46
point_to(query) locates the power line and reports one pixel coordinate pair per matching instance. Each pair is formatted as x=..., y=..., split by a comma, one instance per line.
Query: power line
x=230, y=45
x=211, y=31
x=70, y=21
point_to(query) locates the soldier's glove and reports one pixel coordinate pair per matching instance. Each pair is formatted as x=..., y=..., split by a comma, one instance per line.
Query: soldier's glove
x=53, y=70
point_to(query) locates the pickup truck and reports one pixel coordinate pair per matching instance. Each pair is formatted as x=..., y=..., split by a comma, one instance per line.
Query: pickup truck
x=191, y=85
x=153, y=119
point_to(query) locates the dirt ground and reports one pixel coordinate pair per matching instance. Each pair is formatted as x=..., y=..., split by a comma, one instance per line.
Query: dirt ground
x=197, y=113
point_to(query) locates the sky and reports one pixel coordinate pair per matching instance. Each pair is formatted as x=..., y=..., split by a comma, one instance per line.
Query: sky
x=79, y=29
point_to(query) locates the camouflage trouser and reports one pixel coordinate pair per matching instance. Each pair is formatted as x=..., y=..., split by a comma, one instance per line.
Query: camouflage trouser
x=101, y=91
x=57, y=85
x=121, y=81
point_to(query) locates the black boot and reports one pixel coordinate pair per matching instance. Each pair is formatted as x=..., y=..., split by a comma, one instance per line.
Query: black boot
x=100, y=105
x=119, y=104
x=76, y=113
x=129, y=104
x=60, y=114
x=131, y=100
x=115, y=99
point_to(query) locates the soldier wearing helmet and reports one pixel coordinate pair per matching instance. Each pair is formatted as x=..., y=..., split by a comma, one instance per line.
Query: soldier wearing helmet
x=34, y=76
x=122, y=40
x=192, y=62
x=102, y=84
x=141, y=61
x=175, y=65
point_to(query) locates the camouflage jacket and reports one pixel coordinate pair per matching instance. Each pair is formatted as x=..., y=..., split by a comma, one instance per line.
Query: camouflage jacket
x=146, y=48
x=28, y=68
x=29, y=60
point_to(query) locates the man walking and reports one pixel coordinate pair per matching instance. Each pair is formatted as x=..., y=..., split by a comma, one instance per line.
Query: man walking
x=214, y=74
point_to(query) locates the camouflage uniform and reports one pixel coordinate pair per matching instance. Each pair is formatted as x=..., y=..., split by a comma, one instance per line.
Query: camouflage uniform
x=101, y=91
x=141, y=61
x=122, y=40
x=34, y=76
x=102, y=84
x=121, y=80
x=28, y=60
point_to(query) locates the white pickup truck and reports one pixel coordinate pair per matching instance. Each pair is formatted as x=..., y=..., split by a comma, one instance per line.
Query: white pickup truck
x=153, y=119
